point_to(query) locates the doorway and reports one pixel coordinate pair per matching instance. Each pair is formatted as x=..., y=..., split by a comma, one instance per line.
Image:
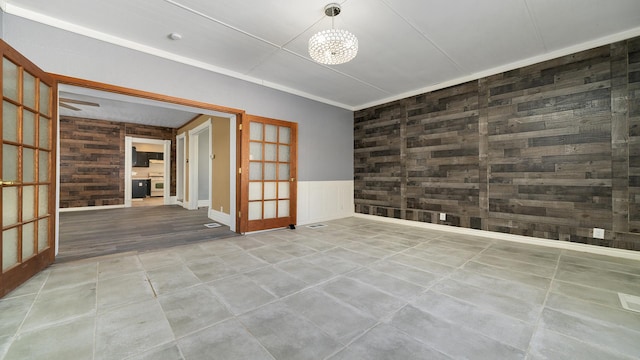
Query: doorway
x=181, y=150
x=177, y=184
x=200, y=174
x=145, y=173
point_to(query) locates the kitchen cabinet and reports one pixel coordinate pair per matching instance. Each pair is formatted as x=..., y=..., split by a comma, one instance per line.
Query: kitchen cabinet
x=155, y=156
x=134, y=156
x=139, y=188
x=142, y=159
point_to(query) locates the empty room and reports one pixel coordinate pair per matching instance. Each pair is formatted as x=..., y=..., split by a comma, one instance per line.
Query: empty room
x=368, y=179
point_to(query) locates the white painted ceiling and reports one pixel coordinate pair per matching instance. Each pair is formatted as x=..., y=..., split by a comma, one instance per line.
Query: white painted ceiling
x=406, y=46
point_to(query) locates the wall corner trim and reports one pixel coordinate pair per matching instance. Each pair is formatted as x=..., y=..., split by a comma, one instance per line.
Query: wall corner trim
x=593, y=249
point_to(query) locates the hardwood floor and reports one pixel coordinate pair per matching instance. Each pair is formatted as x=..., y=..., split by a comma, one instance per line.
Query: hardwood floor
x=86, y=234
x=149, y=201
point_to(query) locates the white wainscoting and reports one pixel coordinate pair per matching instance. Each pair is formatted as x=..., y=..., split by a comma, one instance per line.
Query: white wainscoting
x=324, y=200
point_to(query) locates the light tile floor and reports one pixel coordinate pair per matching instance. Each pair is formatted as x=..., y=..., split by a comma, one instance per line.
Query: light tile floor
x=357, y=289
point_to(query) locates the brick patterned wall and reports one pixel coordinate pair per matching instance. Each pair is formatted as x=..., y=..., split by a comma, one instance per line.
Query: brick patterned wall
x=92, y=160
x=549, y=150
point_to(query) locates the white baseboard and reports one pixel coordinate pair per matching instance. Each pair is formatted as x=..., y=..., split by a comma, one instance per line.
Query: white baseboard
x=593, y=249
x=324, y=200
x=220, y=217
x=203, y=203
x=87, y=208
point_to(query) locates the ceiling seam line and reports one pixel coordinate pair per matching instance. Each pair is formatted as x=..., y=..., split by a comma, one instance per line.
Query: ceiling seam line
x=304, y=57
x=535, y=25
x=112, y=39
x=283, y=45
x=455, y=63
x=336, y=71
x=203, y=15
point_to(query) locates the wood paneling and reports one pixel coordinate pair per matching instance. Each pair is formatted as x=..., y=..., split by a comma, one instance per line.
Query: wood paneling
x=549, y=154
x=633, y=105
x=378, y=169
x=442, y=154
x=550, y=150
x=92, y=160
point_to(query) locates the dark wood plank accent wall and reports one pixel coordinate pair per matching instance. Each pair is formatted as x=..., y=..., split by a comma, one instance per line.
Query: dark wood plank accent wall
x=550, y=150
x=633, y=152
x=549, y=134
x=92, y=159
x=378, y=167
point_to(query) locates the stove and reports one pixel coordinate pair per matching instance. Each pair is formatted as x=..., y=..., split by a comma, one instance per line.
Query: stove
x=157, y=183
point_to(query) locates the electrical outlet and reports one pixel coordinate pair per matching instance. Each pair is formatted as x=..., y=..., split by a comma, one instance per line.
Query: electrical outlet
x=443, y=216
x=598, y=233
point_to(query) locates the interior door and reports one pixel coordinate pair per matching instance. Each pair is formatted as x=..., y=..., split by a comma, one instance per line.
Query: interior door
x=269, y=163
x=28, y=168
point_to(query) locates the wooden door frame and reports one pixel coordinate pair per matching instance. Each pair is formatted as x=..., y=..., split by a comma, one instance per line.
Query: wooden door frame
x=240, y=115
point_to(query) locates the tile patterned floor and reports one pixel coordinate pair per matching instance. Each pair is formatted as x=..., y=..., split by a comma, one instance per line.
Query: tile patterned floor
x=356, y=289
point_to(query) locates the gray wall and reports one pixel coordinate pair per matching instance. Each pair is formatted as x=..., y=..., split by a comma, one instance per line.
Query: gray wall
x=325, y=132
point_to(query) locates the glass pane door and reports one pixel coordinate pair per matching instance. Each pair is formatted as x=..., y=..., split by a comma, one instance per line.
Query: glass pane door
x=25, y=180
x=271, y=180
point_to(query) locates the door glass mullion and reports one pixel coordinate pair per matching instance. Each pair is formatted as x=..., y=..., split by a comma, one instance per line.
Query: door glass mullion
x=11, y=169
x=33, y=246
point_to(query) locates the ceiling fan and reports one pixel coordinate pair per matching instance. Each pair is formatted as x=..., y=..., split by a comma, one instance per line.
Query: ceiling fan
x=64, y=102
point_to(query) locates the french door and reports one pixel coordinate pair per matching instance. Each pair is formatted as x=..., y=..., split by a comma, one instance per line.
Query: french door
x=269, y=165
x=27, y=161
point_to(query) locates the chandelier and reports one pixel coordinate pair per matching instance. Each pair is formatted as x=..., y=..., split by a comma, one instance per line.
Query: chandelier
x=334, y=46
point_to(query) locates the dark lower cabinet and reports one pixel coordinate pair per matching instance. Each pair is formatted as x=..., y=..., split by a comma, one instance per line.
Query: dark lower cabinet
x=139, y=189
